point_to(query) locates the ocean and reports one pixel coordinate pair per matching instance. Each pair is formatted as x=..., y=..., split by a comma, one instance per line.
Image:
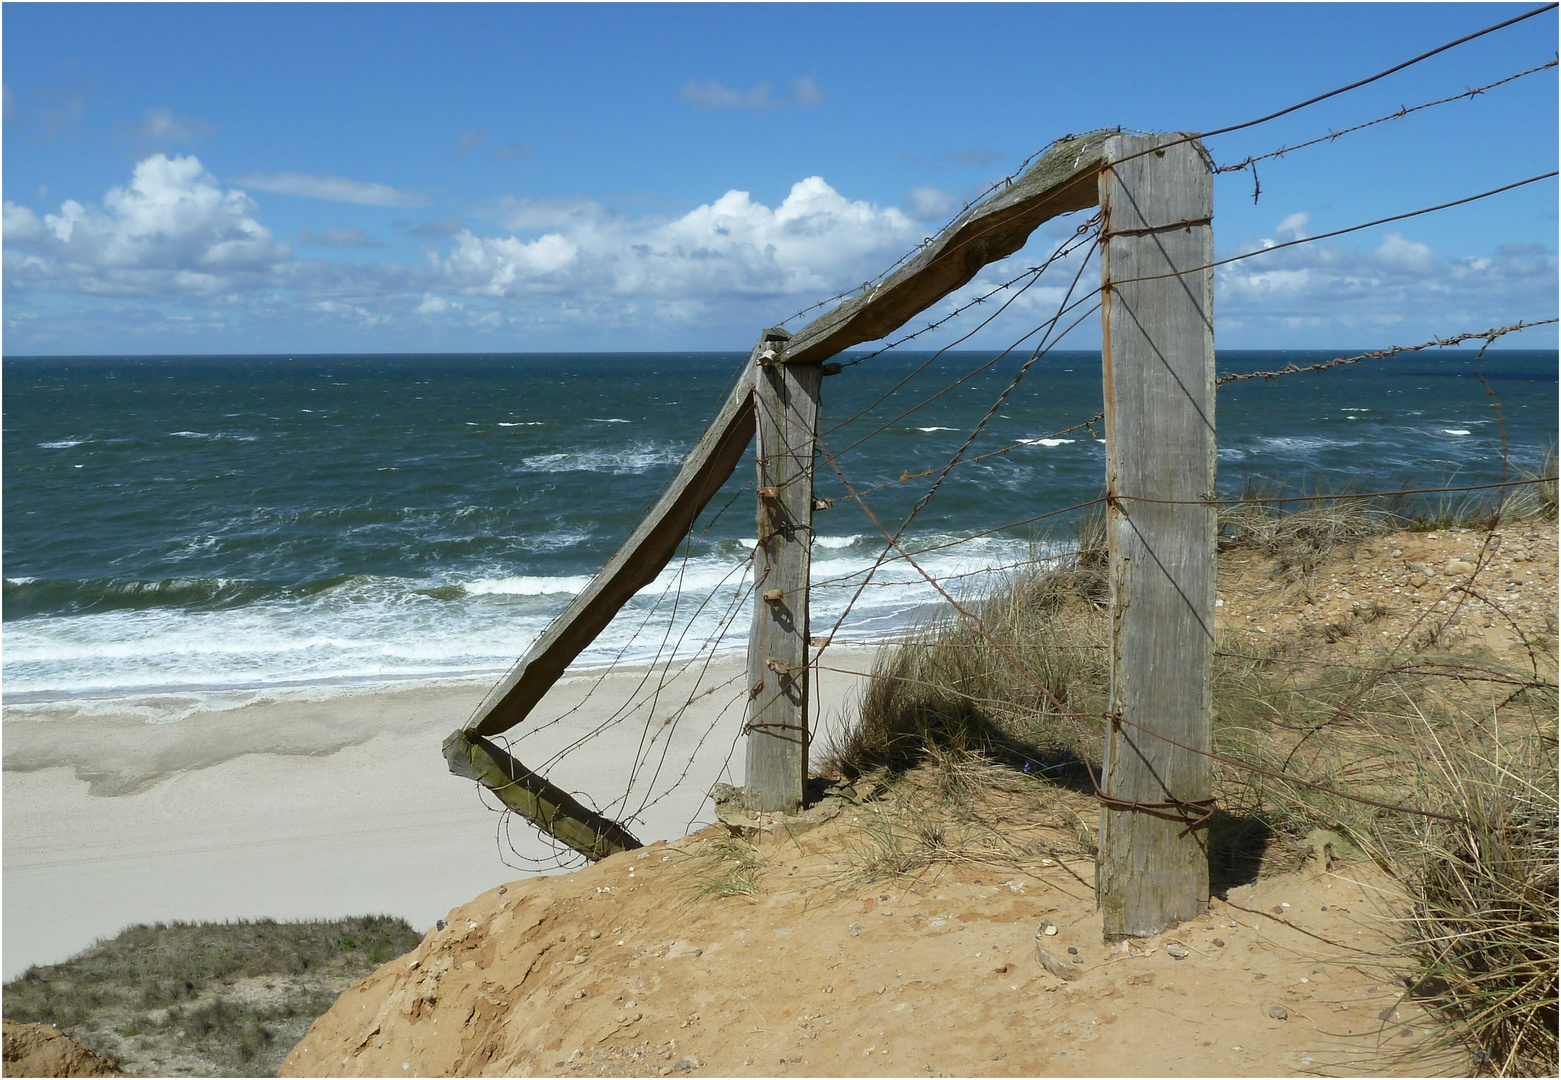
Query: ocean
x=218, y=523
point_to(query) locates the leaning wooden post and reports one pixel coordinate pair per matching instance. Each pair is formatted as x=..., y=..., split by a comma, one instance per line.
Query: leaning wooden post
x=786, y=418
x=1158, y=358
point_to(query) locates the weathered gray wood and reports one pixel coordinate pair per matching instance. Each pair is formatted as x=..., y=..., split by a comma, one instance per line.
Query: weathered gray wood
x=786, y=406
x=1062, y=180
x=544, y=804
x=633, y=566
x=1158, y=359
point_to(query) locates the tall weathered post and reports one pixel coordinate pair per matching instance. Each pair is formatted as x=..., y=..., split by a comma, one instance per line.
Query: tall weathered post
x=1158, y=353
x=786, y=418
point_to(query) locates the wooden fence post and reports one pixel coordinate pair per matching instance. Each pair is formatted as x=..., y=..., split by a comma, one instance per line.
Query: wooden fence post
x=786, y=418
x=1158, y=366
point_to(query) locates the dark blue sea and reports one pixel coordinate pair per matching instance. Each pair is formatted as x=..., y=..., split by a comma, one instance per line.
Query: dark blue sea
x=209, y=523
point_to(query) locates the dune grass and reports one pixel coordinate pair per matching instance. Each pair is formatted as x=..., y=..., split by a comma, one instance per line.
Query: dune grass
x=1411, y=724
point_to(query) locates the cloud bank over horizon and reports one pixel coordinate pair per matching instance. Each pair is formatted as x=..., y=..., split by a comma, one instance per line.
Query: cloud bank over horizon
x=176, y=260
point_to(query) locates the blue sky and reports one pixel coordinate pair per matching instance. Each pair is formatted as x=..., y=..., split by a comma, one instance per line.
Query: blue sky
x=361, y=178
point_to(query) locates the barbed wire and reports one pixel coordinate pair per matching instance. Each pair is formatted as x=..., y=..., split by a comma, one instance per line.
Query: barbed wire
x=1250, y=162
x=1380, y=354
x=1212, y=132
x=1338, y=232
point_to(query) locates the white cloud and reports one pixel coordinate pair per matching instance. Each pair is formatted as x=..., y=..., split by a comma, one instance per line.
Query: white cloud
x=712, y=95
x=172, y=229
x=1292, y=227
x=22, y=226
x=1327, y=290
x=1405, y=256
x=160, y=128
x=814, y=242
x=437, y=305
x=805, y=93
x=333, y=188
x=928, y=203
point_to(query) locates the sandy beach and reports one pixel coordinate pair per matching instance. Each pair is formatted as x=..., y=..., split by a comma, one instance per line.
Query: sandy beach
x=318, y=802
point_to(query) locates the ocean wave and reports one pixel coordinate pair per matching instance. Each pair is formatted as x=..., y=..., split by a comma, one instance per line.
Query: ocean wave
x=523, y=423
x=1305, y=443
x=837, y=541
x=1045, y=442
x=62, y=444
x=188, y=435
x=27, y=597
x=526, y=585
x=636, y=459
x=936, y=429
x=1456, y=431
x=609, y=420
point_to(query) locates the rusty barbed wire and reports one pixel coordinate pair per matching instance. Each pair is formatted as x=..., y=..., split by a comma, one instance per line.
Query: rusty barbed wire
x=1380, y=354
x=1403, y=111
x=1339, y=232
x=1211, y=133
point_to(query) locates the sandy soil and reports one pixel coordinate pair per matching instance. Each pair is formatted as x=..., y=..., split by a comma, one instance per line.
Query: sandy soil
x=38, y=1050
x=622, y=969
x=303, y=804
x=632, y=967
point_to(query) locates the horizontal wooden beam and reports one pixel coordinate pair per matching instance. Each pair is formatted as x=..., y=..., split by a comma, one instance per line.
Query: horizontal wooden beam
x=1063, y=180
x=547, y=806
x=633, y=566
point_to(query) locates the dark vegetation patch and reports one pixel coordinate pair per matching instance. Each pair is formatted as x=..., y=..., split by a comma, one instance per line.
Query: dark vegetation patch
x=205, y=999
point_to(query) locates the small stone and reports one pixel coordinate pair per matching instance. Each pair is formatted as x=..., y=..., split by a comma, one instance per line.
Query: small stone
x=1279, y=1012
x=1219, y=943
x=1072, y=951
x=1231, y=923
x=1051, y=931
x=1078, y=959
x=1178, y=951
x=595, y=934
x=1277, y=909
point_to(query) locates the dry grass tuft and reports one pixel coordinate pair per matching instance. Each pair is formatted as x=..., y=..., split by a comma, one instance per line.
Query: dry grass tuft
x=723, y=867
x=1459, y=735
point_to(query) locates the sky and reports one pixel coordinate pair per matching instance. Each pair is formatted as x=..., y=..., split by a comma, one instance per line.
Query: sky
x=276, y=178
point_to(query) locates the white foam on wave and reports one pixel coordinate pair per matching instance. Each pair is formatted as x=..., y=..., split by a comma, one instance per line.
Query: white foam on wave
x=936, y=429
x=1457, y=431
x=394, y=629
x=1044, y=442
x=523, y=423
x=1304, y=443
x=62, y=444
x=188, y=435
x=837, y=541
x=609, y=420
x=527, y=585
x=631, y=460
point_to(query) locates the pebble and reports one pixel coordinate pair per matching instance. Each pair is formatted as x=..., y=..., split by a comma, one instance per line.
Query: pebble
x=1072, y=951
x=1051, y=931
x=1279, y=1012
x=1078, y=959
x=1178, y=951
x=1219, y=943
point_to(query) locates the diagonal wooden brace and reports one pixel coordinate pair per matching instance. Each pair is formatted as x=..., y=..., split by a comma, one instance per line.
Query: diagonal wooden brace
x=544, y=804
